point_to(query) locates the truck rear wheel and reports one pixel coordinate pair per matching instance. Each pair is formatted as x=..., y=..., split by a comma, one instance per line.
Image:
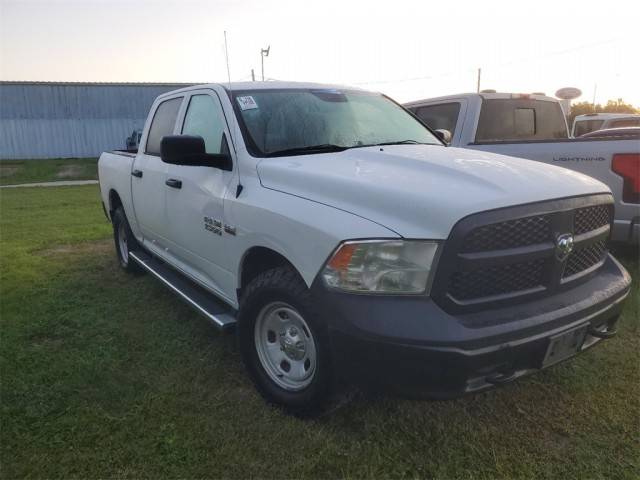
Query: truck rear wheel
x=125, y=242
x=283, y=345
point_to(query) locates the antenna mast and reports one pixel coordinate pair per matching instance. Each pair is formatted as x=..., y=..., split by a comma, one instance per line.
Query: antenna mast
x=226, y=54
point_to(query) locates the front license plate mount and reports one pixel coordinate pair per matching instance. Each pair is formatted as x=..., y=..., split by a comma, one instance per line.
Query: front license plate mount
x=565, y=345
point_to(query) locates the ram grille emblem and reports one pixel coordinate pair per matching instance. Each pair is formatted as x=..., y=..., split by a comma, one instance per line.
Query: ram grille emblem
x=564, y=246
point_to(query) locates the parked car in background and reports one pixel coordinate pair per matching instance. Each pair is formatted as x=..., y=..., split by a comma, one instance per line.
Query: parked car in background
x=600, y=121
x=340, y=237
x=534, y=127
x=622, y=133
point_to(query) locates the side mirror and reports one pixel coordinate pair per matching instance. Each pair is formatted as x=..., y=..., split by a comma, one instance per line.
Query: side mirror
x=190, y=151
x=443, y=134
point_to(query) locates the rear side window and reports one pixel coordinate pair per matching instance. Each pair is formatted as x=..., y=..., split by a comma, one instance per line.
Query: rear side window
x=520, y=119
x=444, y=116
x=626, y=122
x=586, y=126
x=162, y=124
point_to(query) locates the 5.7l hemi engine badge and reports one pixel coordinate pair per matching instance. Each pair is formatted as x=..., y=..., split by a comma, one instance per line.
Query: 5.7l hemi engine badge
x=213, y=225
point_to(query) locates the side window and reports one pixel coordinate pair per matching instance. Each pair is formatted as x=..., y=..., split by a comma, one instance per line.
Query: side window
x=585, y=126
x=443, y=116
x=162, y=124
x=204, y=118
x=627, y=122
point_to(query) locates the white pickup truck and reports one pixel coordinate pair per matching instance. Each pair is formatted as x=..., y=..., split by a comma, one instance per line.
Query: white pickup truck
x=534, y=127
x=342, y=238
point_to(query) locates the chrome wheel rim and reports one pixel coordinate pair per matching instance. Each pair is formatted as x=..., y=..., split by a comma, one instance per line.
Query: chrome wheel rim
x=122, y=244
x=285, y=345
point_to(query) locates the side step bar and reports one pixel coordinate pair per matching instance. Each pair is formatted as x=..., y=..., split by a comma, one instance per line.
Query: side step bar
x=216, y=311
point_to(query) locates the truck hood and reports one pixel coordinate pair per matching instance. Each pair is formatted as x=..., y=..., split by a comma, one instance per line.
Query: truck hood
x=420, y=191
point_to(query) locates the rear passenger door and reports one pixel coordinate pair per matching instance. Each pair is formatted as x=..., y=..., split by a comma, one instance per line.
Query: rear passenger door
x=149, y=173
x=195, y=211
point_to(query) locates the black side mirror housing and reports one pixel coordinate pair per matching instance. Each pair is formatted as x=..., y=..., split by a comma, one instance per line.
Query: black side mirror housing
x=443, y=134
x=189, y=150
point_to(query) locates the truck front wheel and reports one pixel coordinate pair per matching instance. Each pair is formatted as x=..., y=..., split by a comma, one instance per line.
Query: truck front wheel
x=125, y=242
x=284, y=346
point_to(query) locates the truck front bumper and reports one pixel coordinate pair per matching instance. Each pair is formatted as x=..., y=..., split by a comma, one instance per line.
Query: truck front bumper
x=411, y=345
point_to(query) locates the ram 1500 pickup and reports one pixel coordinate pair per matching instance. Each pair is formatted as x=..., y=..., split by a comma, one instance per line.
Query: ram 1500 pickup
x=340, y=237
x=534, y=127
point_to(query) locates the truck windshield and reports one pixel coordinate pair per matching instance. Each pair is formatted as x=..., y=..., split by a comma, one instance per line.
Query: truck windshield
x=303, y=121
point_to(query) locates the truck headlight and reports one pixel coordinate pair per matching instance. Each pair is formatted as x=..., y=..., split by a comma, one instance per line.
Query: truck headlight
x=381, y=266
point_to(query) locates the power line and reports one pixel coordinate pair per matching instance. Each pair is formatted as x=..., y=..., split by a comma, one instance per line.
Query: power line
x=498, y=65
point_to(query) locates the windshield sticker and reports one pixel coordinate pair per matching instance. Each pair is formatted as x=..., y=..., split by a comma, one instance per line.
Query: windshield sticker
x=247, y=103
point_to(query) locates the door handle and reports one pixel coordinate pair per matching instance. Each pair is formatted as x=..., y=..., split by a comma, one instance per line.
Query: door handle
x=137, y=173
x=173, y=183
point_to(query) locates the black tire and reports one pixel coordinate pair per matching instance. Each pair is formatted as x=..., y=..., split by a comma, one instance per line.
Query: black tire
x=121, y=228
x=283, y=286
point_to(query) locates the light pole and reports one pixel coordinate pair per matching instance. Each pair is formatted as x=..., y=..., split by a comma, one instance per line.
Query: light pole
x=264, y=52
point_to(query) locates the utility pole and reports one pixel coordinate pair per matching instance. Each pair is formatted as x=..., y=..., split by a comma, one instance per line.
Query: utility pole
x=479, y=72
x=595, y=89
x=226, y=54
x=253, y=76
x=264, y=52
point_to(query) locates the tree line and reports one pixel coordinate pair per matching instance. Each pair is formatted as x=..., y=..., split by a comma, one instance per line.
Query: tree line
x=612, y=106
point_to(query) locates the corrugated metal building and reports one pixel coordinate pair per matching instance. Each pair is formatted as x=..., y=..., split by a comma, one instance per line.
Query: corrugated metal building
x=62, y=120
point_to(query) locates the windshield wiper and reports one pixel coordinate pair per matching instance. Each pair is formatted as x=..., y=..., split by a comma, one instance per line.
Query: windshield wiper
x=325, y=147
x=403, y=142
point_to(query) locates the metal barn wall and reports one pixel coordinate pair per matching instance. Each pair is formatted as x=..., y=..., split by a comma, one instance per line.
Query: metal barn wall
x=58, y=120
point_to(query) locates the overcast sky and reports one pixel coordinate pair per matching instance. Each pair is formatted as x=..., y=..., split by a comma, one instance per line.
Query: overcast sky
x=407, y=49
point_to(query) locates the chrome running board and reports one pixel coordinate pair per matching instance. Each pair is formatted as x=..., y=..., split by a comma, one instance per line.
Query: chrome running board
x=216, y=311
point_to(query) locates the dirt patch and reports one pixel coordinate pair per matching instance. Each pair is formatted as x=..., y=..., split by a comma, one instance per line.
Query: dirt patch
x=102, y=246
x=8, y=170
x=70, y=171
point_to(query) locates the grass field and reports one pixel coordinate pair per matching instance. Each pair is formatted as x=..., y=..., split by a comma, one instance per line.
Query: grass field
x=47, y=170
x=107, y=375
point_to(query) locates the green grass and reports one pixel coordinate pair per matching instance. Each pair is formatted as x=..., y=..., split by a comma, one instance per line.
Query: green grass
x=108, y=375
x=13, y=172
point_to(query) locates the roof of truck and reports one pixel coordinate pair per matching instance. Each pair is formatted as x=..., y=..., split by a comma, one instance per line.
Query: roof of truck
x=268, y=85
x=487, y=95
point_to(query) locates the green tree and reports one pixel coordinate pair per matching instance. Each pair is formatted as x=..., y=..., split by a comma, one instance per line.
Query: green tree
x=612, y=106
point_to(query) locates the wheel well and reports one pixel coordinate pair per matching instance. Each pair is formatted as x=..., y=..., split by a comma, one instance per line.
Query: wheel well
x=114, y=202
x=258, y=260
